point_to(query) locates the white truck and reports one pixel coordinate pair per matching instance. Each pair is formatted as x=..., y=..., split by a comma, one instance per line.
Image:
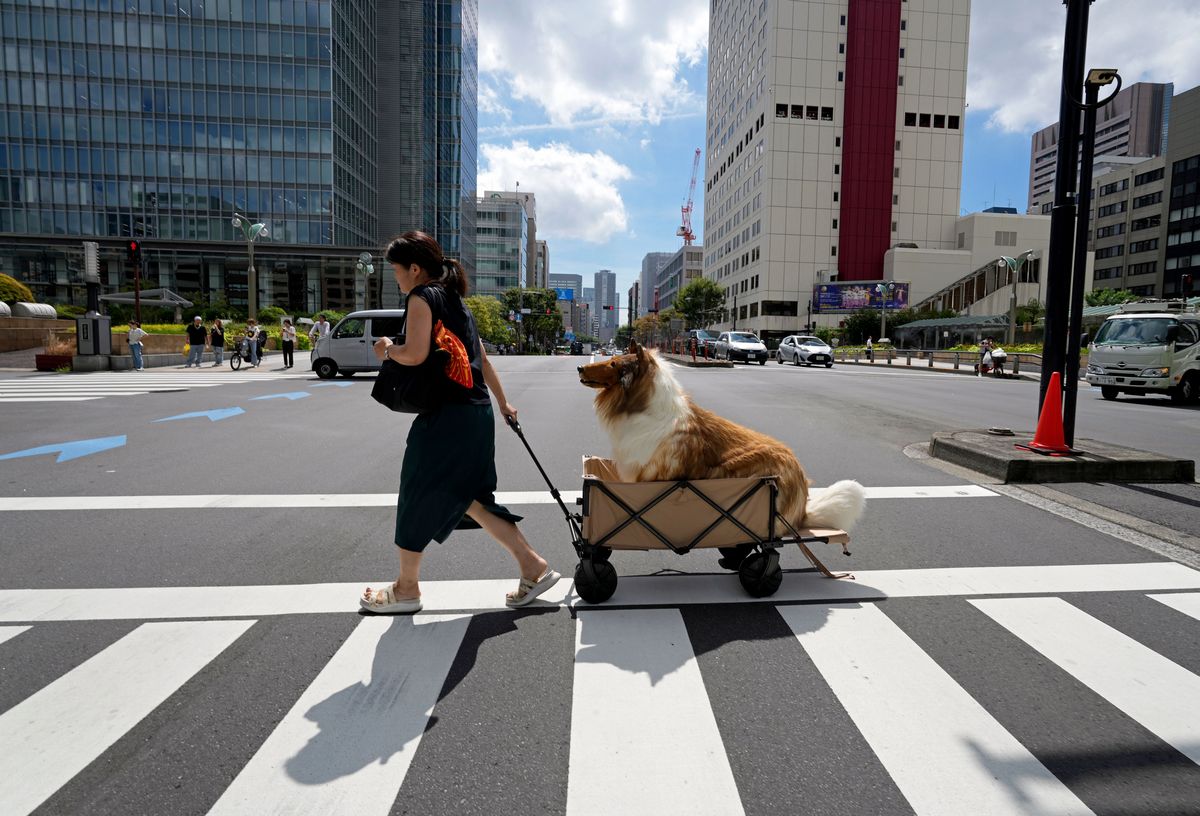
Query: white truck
x=1147, y=348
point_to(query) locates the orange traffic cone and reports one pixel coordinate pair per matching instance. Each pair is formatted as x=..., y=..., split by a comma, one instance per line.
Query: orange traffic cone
x=1048, y=439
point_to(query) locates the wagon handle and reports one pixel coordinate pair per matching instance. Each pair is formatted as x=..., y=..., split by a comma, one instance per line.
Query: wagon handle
x=516, y=426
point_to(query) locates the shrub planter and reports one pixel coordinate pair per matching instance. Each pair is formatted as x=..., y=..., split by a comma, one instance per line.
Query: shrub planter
x=52, y=362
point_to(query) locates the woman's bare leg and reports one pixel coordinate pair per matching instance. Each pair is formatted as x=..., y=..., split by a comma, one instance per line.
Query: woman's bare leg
x=532, y=565
x=407, y=585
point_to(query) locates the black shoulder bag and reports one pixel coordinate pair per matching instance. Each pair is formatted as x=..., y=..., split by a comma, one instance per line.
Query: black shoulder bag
x=416, y=389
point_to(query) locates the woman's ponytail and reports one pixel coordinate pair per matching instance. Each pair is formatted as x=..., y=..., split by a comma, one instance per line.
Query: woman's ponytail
x=420, y=248
x=453, y=277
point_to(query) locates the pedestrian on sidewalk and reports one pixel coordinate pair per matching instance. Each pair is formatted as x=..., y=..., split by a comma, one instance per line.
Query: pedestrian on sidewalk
x=135, y=343
x=448, y=478
x=252, y=331
x=288, y=335
x=217, y=337
x=197, y=340
x=870, y=349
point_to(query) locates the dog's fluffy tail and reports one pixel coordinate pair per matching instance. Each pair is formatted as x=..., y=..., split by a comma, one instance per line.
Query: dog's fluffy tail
x=838, y=506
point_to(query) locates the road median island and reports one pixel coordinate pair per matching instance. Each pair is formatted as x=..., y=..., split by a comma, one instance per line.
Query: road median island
x=995, y=454
x=699, y=362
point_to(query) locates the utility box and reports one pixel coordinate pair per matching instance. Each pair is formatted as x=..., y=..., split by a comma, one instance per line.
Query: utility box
x=93, y=335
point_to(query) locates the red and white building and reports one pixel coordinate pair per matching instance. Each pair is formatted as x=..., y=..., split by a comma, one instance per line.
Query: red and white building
x=834, y=134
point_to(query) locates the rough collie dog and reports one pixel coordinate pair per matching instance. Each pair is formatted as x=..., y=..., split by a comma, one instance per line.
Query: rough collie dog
x=659, y=434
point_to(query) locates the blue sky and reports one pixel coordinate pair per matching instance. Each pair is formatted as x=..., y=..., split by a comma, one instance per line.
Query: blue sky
x=598, y=107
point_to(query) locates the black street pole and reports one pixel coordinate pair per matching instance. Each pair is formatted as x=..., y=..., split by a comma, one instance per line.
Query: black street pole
x=1062, y=217
x=1075, y=327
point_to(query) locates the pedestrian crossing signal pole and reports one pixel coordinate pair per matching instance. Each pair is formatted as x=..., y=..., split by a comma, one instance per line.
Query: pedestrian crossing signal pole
x=134, y=248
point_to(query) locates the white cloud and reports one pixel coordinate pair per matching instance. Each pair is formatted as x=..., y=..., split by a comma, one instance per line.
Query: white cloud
x=577, y=193
x=1016, y=53
x=617, y=59
x=489, y=101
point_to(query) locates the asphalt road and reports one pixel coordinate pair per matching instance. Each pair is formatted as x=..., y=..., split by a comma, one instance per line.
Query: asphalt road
x=547, y=710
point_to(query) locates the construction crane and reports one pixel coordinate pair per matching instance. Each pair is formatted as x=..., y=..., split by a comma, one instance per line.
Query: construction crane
x=685, y=231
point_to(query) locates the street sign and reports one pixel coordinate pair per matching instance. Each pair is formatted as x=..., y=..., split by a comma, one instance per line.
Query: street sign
x=527, y=311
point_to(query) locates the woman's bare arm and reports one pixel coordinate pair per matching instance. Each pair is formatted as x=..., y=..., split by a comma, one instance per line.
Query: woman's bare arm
x=493, y=383
x=416, y=336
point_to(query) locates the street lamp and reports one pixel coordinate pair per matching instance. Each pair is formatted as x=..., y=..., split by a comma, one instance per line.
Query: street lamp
x=252, y=231
x=364, y=267
x=1014, y=266
x=884, y=290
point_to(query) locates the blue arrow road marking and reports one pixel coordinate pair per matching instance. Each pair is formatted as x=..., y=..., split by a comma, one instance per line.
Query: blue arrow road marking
x=71, y=450
x=291, y=395
x=337, y=385
x=215, y=415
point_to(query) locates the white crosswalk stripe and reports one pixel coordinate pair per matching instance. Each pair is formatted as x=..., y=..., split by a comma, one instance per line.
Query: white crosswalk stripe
x=644, y=735
x=82, y=387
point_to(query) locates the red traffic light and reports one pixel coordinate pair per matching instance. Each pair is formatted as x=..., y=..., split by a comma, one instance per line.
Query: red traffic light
x=133, y=246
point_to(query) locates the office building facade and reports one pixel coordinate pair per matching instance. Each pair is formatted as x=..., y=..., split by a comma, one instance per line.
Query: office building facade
x=1133, y=124
x=541, y=273
x=685, y=266
x=505, y=242
x=834, y=133
x=607, y=305
x=1181, y=256
x=159, y=121
x=652, y=264
x=1126, y=224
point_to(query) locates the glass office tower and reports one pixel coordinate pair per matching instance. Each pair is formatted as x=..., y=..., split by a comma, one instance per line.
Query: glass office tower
x=159, y=119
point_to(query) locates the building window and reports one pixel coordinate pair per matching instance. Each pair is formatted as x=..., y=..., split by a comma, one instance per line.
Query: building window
x=835, y=195
x=843, y=21
x=833, y=251
x=827, y=114
x=939, y=120
x=1143, y=246
x=962, y=240
x=811, y=112
x=837, y=141
x=900, y=80
x=1147, y=200
x=904, y=25
x=841, y=48
x=1115, y=187
x=901, y=53
x=837, y=169
x=893, y=226
x=895, y=199
x=925, y=119
x=952, y=123
x=910, y=120
x=840, y=75
x=1006, y=238
x=1148, y=268
x=797, y=111
x=895, y=172
x=781, y=111
x=1146, y=178
x=897, y=144
x=835, y=223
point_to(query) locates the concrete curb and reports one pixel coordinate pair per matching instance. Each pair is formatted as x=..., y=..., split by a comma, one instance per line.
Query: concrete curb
x=997, y=456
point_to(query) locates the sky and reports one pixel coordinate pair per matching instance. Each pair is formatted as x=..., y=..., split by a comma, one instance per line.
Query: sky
x=598, y=107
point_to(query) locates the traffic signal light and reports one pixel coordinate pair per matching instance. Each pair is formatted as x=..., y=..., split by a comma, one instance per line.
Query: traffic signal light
x=608, y=308
x=134, y=249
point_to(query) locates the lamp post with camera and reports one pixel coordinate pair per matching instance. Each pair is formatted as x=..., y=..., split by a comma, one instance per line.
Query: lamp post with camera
x=364, y=266
x=252, y=232
x=884, y=290
x=1013, y=265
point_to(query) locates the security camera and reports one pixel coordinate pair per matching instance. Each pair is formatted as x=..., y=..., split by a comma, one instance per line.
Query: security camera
x=1101, y=76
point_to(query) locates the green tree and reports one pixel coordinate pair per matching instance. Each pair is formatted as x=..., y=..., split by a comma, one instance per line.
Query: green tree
x=1109, y=297
x=623, y=336
x=542, y=326
x=13, y=291
x=860, y=325
x=490, y=319
x=1031, y=312
x=700, y=302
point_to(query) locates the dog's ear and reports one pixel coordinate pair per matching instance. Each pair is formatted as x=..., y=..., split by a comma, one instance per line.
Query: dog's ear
x=634, y=348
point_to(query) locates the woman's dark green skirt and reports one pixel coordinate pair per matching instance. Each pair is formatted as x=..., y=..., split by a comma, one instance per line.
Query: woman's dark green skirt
x=449, y=462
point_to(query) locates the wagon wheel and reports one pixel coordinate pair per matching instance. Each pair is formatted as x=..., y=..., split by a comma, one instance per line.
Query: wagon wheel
x=761, y=574
x=732, y=557
x=595, y=581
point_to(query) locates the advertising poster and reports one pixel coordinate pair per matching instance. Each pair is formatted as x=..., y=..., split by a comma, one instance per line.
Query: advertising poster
x=565, y=294
x=850, y=296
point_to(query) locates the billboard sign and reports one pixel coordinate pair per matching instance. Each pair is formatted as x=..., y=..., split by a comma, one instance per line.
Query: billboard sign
x=844, y=297
x=564, y=294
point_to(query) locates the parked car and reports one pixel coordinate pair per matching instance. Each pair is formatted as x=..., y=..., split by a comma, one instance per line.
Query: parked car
x=576, y=347
x=743, y=346
x=802, y=349
x=701, y=336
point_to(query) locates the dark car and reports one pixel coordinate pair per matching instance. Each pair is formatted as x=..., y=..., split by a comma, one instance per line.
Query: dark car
x=577, y=347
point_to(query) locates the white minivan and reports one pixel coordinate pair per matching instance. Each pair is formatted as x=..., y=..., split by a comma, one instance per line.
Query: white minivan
x=348, y=348
x=1140, y=351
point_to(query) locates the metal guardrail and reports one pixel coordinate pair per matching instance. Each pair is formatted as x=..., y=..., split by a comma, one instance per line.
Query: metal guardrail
x=959, y=358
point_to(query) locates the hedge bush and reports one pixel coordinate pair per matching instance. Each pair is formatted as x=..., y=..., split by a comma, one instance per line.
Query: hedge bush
x=13, y=291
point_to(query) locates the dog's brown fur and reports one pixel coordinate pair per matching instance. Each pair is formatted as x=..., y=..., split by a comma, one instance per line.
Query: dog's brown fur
x=699, y=444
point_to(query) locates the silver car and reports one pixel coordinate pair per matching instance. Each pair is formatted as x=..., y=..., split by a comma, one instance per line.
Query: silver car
x=741, y=346
x=802, y=349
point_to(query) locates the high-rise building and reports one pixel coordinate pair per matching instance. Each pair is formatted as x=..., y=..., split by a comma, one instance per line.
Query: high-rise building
x=1181, y=275
x=572, y=282
x=834, y=133
x=684, y=266
x=1127, y=224
x=634, y=299
x=504, y=223
x=652, y=263
x=160, y=121
x=1133, y=124
x=541, y=276
x=607, y=318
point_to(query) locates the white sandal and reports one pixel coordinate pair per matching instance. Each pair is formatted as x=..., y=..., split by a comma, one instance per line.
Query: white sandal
x=384, y=602
x=528, y=590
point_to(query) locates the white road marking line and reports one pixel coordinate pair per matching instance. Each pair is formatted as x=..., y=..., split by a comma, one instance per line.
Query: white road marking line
x=347, y=743
x=55, y=733
x=944, y=751
x=137, y=603
x=48, y=399
x=1188, y=604
x=10, y=632
x=319, y=500
x=1146, y=686
x=639, y=705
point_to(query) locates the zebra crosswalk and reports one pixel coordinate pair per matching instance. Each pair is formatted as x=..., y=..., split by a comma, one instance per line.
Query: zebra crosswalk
x=951, y=704
x=98, y=385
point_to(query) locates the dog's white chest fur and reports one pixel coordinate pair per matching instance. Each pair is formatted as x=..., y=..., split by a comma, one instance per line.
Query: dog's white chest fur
x=637, y=437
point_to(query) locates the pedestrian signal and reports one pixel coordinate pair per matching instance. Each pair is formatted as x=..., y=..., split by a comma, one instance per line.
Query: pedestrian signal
x=134, y=249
